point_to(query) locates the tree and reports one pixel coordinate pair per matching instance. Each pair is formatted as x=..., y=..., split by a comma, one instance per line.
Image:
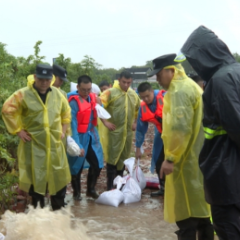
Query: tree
x=62, y=61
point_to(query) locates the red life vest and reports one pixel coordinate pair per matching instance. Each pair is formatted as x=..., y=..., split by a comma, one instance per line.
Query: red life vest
x=84, y=113
x=148, y=116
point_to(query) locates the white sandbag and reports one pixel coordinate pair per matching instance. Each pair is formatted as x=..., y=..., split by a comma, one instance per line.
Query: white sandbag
x=131, y=191
x=72, y=147
x=129, y=164
x=119, y=181
x=112, y=197
x=135, y=172
x=101, y=112
x=139, y=177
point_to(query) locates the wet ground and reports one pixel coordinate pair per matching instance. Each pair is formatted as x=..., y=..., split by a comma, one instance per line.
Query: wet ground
x=136, y=221
x=140, y=221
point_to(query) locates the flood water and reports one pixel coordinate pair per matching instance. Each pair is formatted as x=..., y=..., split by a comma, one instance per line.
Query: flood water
x=140, y=221
x=135, y=221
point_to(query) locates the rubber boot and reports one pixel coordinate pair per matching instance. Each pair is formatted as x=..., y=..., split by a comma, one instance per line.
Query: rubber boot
x=111, y=174
x=35, y=201
x=91, y=183
x=76, y=188
x=160, y=192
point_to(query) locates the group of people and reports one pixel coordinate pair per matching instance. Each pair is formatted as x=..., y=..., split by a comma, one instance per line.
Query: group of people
x=196, y=144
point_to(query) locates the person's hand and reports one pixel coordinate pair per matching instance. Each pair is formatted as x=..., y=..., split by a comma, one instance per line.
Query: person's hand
x=134, y=125
x=98, y=100
x=62, y=135
x=82, y=153
x=24, y=135
x=109, y=125
x=166, y=168
x=138, y=154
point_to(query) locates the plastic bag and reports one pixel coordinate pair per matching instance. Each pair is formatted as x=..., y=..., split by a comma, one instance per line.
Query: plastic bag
x=101, y=112
x=112, y=197
x=131, y=191
x=135, y=173
x=72, y=148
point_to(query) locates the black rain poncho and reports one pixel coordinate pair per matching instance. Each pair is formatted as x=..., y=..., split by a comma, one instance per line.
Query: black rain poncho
x=220, y=157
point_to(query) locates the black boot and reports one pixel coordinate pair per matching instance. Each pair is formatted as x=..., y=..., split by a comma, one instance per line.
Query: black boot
x=111, y=174
x=160, y=192
x=91, y=183
x=35, y=201
x=76, y=188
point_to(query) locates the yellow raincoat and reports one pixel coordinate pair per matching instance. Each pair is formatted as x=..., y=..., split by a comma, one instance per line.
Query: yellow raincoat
x=42, y=160
x=123, y=108
x=183, y=139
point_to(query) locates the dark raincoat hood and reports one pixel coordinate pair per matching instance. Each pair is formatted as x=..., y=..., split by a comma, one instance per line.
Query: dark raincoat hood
x=206, y=53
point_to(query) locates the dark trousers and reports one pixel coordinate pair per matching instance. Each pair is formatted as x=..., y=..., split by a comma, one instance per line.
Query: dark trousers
x=191, y=227
x=92, y=160
x=160, y=161
x=226, y=221
x=57, y=201
x=93, y=172
x=112, y=172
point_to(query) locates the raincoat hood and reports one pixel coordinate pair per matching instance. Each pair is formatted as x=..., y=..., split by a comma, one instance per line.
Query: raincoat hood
x=206, y=53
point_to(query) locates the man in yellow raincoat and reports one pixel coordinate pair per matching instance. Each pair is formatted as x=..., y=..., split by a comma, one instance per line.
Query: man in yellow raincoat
x=122, y=103
x=39, y=115
x=183, y=137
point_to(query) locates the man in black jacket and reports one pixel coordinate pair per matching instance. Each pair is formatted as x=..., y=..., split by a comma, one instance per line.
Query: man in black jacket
x=220, y=156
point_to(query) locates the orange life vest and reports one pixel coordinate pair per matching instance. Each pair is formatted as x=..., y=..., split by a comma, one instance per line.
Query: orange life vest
x=85, y=110
x=148, y=116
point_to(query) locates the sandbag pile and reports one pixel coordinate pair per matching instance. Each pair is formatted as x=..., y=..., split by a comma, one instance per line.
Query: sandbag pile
x=131, y=192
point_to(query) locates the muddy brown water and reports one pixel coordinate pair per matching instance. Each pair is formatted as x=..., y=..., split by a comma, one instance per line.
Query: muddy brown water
x=135, y=221
x=140, y=221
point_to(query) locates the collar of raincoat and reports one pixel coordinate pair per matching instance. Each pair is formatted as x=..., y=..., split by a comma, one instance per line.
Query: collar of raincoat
x=116, y=85
x=179, y=73
x=31, y=80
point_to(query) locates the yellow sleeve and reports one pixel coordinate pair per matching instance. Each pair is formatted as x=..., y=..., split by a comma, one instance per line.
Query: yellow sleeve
x=66, y=111
x=177, y=125
x=11, y=112
x=105, y=98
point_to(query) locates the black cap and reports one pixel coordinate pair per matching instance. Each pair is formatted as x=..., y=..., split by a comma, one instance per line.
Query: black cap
x=44, y=71
x=60, y=72
x=162, y=62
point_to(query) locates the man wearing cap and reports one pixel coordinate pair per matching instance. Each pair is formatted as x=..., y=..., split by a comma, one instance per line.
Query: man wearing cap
x=39, y=115
x=182, y=136
x=60, y=77
x=151, y=111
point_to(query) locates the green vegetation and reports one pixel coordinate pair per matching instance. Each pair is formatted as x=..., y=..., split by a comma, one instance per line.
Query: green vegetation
x=13, y=75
